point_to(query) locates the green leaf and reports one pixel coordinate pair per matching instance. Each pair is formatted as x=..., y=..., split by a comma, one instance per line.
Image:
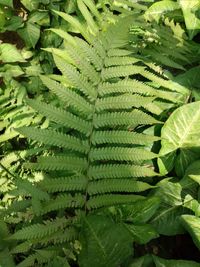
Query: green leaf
x=159, y=262
x=180, y=132
x=156, y=10
x=3, y=234
x=30, y=33
x=189, y=9
x=142, y=234
x=9, y=53
x=6, y=3
x=39, y=17
x=190, y=78
x=104, y=243
x=167, y=218
x=144, y=261
x=9, y=70
x=193, y=171
x=141, y=211
x=14, y=23
x=6, y=258
x=192, y=225
x=30, y=4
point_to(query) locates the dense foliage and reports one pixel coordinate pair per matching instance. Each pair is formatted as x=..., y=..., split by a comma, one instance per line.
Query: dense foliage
x=100, y=129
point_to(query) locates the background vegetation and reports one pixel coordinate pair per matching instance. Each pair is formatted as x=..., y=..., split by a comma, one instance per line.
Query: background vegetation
x=100, y=129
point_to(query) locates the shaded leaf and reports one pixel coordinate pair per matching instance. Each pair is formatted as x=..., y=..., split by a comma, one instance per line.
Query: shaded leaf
x=30, y=34
x=159, y=262
x=6, y=3
x=104, y=243
x=192, y=225
x=142, y=234
x=167, y=218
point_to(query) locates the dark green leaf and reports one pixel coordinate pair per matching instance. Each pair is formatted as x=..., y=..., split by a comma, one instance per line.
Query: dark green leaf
x=104, y=243
x=30, y=34
x=167, y=218
x=142, y=234
x=30, y=4
x=192, y=225
x=174, y=263
x=6, y=3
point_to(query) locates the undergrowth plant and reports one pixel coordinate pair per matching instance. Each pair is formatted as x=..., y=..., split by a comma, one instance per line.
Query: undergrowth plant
x=87, y=180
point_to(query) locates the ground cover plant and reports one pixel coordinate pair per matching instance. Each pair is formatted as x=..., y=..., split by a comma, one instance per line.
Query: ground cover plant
x=99, y=121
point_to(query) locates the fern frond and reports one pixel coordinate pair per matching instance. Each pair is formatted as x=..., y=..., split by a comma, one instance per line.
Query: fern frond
x=119, y=52
x=31, y=189
x=54, y=138
x=58, y=163
x=23, y=247
x=62, y=202
x=122, y=71
x=126, y=86
x=64, y=184
x=121, y=137
x=40, y=230
x=90, y=53
x=125, y=101
x=29, y=261
x=59, y=237
x=82, y=64
x=120, y=154
x=173, y=86
x=67, y=95
x=133, y=118
x=119, y=171
x=77, y=79
x=120, y=61
x=111, y=200
x=117, y=185
x=60, y=116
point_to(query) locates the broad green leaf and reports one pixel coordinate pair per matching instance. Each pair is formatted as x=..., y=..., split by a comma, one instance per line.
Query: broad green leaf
x=192, y=204
x=184, y=158
x=167, y=218
x=142, y=234
x=30, y=34
x=39, y=17
x=9, y=70
x=189, y=9
x=30, y=4
x=181, y=132
x=159, y=262
x=192, y=225
x=14, y=23
x=193, y=171
x=6, y=258
x=104, y=243
x=156, y=10
x=189, y=78
x=9, y=53
x=6, y=3
x=141, y=211
x=2, y=19
x=144, y=261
